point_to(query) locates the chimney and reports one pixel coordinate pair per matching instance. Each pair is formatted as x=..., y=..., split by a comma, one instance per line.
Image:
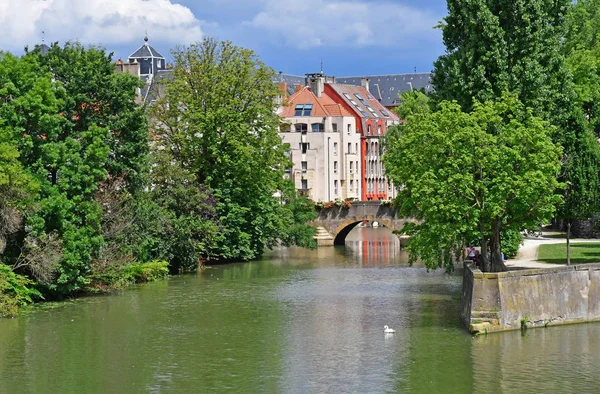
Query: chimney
x=316, y=83
x=364, y=82
x=283, y=88
x=298, y=88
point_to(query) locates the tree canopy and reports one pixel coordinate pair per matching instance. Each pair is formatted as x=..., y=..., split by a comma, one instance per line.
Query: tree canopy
x=471, y=175
x=216, y=116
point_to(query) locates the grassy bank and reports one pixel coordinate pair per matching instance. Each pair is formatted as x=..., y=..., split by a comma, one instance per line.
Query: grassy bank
x=17, y=290
x=588, y=252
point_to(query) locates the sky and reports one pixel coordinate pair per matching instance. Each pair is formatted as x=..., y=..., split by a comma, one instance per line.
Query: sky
x=350, y=37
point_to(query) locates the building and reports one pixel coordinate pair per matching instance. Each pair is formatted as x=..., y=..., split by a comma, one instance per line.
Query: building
x=387, y=88
x=148, y=65
x=324, y=144
x=372, y=120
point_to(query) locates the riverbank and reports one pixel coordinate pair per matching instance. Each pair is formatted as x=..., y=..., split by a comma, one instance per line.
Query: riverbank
x=17, y=291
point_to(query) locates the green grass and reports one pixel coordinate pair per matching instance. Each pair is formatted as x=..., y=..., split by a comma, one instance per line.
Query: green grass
x=588, y=252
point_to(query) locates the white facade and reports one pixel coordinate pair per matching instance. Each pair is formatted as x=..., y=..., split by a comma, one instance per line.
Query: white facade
x=326, y=164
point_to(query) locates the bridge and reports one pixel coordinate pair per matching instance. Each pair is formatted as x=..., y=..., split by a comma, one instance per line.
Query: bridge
x=334, y=224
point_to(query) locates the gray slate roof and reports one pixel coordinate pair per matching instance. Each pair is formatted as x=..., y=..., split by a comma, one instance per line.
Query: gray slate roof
x=291, y=80
x=386, y=88
x=146, y=51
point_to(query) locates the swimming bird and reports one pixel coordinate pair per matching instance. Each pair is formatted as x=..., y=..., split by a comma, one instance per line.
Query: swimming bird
x=386, y=329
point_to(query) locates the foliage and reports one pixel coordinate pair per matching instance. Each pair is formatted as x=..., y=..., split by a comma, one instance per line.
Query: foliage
x=217, y=119
x=296, y=212
x=511, y=239
x=15, y=291
x=582, y=50
x=581, y=163
x=74, y=124
x=496, y=46
x=471, y=176
x=116, y=277
x=177, y=220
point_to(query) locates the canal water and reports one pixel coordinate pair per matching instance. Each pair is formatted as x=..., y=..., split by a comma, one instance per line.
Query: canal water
x=299, y=321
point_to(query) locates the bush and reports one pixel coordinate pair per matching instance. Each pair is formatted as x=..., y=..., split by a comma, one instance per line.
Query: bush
x=15, y=291
x=511, y=240
x=148, y=272
x=105, y=279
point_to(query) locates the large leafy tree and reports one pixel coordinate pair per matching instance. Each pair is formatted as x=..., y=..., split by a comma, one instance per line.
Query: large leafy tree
x=216, y=117
x=496, y=46
x=471, y=175
x=75, y=125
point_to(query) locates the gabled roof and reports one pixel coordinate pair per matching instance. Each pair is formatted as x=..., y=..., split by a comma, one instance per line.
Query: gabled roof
x=371, y=102
x=322, y=106
x=387, y=88
x=145, y=51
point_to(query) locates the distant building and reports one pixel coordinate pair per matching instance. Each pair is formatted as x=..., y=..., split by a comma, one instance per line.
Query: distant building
x=324, y=144
x=148, y=65
x=387, y=88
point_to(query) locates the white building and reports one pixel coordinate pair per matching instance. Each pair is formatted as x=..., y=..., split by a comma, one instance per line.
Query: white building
x=324, y=145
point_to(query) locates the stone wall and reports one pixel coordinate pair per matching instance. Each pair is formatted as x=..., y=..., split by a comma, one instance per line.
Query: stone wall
x=535, y=297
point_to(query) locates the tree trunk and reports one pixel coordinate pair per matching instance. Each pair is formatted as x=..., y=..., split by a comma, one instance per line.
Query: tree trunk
x=484, y=261
x=568, y=241
x=497, y=265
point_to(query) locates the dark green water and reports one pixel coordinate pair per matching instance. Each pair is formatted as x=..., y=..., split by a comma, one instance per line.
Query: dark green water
x=297, y=322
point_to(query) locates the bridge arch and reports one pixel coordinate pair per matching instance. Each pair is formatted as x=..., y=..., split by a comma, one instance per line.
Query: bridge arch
x=335, y=223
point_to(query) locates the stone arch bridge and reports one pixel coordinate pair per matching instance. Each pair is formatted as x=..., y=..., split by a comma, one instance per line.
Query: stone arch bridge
x=334, y=224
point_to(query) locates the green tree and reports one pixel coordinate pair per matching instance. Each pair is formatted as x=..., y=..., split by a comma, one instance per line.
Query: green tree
x=216, y=116
x=75, y=124
x=471, y=176
x=496, y=46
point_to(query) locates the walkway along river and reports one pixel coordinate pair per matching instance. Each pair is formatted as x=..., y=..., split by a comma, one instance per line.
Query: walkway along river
x=298, y=321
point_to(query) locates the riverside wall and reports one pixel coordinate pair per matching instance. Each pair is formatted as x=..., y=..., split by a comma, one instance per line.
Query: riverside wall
x=532, y=297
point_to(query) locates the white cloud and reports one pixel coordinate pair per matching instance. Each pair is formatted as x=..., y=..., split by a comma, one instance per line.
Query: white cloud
x=106, y=22
x=314, y=23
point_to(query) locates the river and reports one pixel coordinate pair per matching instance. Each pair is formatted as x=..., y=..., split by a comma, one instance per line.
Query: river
x=298, y=321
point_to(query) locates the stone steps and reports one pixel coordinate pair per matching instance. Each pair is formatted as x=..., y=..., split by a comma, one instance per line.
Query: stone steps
x=323, y=238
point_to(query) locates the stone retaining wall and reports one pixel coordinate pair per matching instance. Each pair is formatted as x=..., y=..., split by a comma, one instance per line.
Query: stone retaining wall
x=534, y=297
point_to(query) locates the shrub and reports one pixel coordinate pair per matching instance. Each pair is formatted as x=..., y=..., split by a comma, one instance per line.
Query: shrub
x=15, y=291
x=511, y=240
x=148, y=272
x=105, y=279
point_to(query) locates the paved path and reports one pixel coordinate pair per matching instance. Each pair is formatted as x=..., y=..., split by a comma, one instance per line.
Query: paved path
x=527, y=256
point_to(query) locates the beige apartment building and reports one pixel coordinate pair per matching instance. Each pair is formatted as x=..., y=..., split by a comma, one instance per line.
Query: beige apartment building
x=324, y=145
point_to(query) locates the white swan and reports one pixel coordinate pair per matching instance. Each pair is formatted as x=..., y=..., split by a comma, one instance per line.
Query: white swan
x=386, y=329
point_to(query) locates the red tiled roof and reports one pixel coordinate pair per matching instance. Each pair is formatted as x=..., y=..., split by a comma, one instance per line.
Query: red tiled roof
x=322, y=106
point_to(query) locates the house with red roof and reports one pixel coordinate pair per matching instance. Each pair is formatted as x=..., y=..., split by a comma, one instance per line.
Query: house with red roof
x=372, y=120
x=324, y=144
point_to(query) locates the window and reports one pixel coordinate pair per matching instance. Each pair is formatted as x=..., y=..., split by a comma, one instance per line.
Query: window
x=334, y=127
x=304, y=166
x=318, y=127
x=368, y=129
x=356, y=150
x=304, y=146
x=350, y=168
x=301, y=127
x=349, y=148
x=370, y=97
x=349, y=127
x=335, y=148
x=362, y=101
x=371, y=110
x=303, y=110
x=335, y=187
x=335, y=167
x=304, y=184
x=384, y=113
x=379, y=130
x=357, y=166
x=351, y=185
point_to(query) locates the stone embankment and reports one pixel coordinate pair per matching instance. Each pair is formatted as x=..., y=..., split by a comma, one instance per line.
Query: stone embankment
x=531, y=293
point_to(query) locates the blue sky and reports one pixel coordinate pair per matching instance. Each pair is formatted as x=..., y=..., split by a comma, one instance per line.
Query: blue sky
x=352, y=37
